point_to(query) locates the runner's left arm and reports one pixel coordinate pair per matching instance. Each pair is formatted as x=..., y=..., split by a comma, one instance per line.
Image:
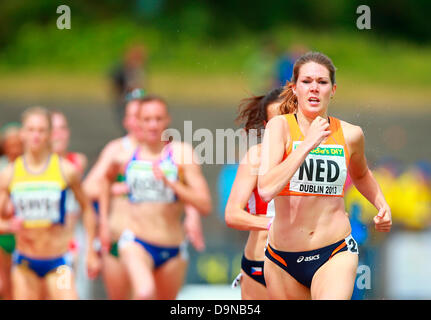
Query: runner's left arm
x=193, y=227
x=5, y=178
x=194, y=190
x=89, y=217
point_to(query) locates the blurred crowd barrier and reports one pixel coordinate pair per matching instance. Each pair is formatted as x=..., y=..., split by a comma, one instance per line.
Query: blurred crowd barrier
x=407, y=191
x=399, y=262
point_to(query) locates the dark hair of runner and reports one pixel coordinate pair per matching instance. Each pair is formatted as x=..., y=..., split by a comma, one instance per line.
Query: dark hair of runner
x=253, y=111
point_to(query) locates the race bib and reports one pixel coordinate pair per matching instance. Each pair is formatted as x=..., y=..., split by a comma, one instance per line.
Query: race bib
x=143, y=185
x=37, y=203
x=323, y=171
x=352, y=245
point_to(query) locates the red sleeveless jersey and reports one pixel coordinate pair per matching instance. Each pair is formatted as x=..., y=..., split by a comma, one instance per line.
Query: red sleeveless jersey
x=256, y=205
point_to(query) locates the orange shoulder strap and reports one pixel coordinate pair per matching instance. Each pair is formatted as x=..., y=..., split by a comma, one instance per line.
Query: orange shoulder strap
x=295, y=132
x=338, y=135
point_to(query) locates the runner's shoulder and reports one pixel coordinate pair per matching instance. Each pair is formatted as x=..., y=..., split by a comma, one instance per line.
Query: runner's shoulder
x=352, y=133
x=279, y=120
x=183, y=152
x=113, y=145
x=253, y=155
x=111, y=150
x=70, y=172
x=278, y=125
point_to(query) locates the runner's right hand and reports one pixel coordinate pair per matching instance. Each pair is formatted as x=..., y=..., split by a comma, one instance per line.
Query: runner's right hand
x=317, y=132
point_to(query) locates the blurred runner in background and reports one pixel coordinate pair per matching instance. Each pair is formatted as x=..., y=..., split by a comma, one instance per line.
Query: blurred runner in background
x=60, y=145
x=37, y=182
x=12, y=146
x=245, y=209
x=114, y=274
x=161, y=177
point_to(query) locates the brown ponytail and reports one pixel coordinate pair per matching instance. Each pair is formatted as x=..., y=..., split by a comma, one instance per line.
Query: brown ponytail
x=253, y=110
x=290, y=101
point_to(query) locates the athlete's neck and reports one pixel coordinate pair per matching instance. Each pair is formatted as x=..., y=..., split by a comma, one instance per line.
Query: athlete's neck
x=37, y=159
x=153, y=149
x=133, y=140
x=304, y=121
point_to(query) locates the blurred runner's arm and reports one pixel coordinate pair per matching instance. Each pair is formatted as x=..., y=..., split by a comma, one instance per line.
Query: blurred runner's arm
x=82, y=163
x=108, y=177
x=89, y=217
x=96, y=173
x=195, y=190
x=12, y=224
x=5, y=178
x=245, y=181
x=193, y=227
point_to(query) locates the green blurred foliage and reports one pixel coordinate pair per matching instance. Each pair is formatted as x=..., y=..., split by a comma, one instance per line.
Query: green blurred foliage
x=223, y=19
x=222, y=36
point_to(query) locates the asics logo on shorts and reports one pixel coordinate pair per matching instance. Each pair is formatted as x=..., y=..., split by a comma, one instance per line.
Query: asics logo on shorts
x=307, y=259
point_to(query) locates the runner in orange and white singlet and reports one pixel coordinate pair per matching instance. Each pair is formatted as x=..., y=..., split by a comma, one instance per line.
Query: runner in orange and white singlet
x=304, y=164
x=325, y=164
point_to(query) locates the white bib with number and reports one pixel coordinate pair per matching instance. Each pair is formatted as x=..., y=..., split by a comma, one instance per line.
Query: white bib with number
x=323, y=171
x=145, y=187
x=37, y=203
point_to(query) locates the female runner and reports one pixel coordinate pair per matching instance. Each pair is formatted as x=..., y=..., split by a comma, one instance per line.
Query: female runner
x=36, y=183
x=244, y=198
x=114, y=274
x=60, y=144
x=12, y=147
x=161, y=179
x=60, y=139
x=305, y=160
